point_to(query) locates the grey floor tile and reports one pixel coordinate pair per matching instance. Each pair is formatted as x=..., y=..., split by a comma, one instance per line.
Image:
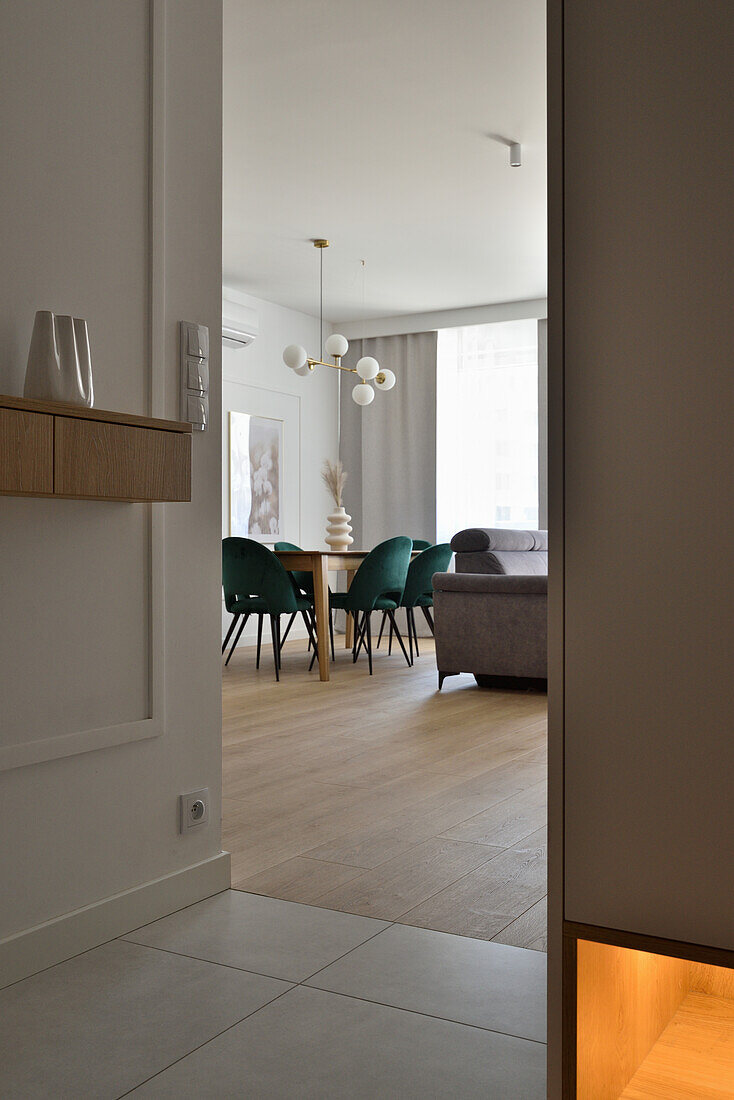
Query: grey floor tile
x=314, y=1046
x=101, y=1023
x=471, y=981
x=280, y=938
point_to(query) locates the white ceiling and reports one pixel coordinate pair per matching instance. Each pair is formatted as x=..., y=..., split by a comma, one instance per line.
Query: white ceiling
x=367, y=122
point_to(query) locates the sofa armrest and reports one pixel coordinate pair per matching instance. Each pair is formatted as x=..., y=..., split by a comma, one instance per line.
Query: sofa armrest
x=495, y=583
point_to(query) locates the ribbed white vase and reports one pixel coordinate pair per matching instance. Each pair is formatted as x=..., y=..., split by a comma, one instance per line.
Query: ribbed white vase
x=338, y=531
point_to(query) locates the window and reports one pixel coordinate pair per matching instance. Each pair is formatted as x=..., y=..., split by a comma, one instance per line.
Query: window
x=487, y=427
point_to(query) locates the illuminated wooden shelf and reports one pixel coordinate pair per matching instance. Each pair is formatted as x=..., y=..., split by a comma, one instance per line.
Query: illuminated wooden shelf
x=694, y=1057
x=652, y=1026
x=48, y=449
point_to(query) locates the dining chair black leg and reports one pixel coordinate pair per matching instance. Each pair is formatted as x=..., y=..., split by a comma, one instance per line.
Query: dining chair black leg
x=312, y=640
x=259, y=639
x=429, y=620
x=389, y=646
x=382, y=627
x=399, y=638
x=358, y=628
x=237, y=638
x=232, y=625
x=359, y=634
x=410, y=634
x=275, y=635
x=287, y=629
x=368, y=619
x=355, y=633
x=313, y=631
x=415, y=632
x=331, y=634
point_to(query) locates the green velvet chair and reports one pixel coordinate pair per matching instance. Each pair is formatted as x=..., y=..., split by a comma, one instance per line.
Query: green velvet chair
x=421, y=544
x=255, y=583
x=377, y=586
x=418, y=591
x=303, y=581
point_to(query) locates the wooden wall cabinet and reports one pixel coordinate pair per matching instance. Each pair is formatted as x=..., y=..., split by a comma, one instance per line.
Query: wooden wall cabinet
x=641, y=589
x=54, y=450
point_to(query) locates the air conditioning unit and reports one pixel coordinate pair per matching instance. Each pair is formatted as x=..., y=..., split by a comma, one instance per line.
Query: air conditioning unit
x=233, y=336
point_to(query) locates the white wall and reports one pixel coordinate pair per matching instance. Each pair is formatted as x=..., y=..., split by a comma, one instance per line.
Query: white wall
x=103, y=219
x=256, y=380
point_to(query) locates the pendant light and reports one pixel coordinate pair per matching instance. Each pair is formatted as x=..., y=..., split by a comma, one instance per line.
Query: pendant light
x=367, y=368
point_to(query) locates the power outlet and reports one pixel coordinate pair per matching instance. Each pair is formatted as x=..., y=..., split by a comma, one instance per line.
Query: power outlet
x=194, y=809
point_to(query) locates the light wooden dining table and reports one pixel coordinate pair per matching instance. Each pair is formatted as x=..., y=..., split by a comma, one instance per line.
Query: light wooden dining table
x=321, y=563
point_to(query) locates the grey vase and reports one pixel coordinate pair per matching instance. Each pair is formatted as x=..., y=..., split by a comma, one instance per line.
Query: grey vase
x=59, y=360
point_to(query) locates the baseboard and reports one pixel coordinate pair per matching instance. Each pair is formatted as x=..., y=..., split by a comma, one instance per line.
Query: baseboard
x=53, y=941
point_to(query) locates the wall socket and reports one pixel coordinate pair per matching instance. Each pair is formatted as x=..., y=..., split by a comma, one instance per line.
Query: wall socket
x=193, y=809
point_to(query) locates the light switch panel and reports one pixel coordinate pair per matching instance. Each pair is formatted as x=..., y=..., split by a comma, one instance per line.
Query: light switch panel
x=197, y=380
x=197, y=409
x=197, y=343
x=194, y=342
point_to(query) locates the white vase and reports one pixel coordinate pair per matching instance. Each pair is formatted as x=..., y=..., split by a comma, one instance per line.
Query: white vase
x=338, y=531
x=84, y=356
x=59, y=361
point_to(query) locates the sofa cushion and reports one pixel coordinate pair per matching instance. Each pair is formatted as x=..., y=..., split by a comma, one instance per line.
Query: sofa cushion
x=504, y=561
x=498, y=538
x=487, y=582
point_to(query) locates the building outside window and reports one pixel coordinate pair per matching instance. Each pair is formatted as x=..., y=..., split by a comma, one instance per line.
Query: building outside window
x=487, y=427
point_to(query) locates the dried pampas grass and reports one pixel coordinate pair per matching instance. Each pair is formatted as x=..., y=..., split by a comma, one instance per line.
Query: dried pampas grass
x=333, y=476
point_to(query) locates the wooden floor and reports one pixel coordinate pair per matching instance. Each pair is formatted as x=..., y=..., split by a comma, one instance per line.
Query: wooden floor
x=382, y=797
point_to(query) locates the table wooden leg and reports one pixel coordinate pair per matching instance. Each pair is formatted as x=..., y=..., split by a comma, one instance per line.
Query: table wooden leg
x=349, y=629
x=321, y=606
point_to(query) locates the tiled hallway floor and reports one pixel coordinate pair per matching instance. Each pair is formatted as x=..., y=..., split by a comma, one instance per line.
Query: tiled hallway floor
x=248, y=996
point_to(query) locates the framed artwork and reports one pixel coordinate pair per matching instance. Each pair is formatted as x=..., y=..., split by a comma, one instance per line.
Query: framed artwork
x=255, y=477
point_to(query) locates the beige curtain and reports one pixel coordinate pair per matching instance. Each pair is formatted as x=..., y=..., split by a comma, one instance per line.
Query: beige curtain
x=389, y=447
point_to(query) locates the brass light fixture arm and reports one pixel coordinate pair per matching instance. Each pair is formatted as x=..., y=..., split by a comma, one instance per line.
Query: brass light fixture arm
x=336, y=364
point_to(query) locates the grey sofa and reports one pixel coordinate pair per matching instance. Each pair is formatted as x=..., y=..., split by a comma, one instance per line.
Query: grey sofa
x=491, y=614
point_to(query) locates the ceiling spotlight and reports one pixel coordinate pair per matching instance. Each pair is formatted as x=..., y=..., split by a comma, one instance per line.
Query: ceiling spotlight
x=515, y=154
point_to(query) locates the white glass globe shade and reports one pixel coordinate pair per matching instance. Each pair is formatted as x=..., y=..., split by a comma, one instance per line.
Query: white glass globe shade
x=303, y=371
x=336, y=345
x=363, y=394
x=367, y=368
x=386, y=381
x=294, y=356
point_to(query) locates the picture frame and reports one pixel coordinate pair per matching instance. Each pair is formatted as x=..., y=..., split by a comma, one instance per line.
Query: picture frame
x=256, y=477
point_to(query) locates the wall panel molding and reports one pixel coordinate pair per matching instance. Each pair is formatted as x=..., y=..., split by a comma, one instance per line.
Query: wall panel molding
x=40, y=749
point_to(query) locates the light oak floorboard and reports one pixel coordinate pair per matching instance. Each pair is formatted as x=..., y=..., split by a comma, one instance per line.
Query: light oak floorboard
x=299, y=879
x=402, y=882
x=486, y=900
x=507, y=822
x=529, y=930
x=379, y=795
